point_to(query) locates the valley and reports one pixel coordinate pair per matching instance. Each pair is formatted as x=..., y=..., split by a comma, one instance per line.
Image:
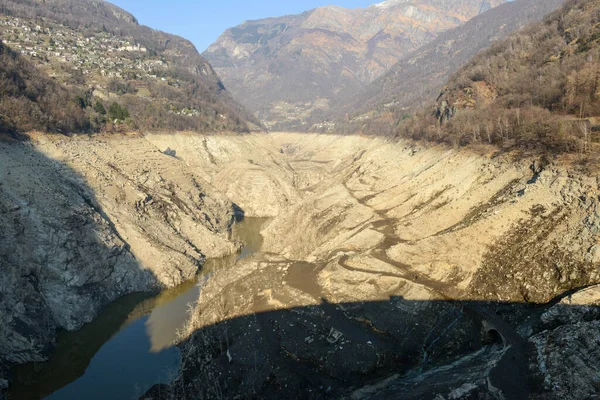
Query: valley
x=438, y=239
x=383, y=262
x=290, y=71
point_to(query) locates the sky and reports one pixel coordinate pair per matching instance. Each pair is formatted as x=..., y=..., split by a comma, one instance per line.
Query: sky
x=203, y=21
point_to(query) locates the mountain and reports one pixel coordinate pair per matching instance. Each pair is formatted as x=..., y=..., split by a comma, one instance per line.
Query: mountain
x=419, y=77
x=290, y=68
x=152, y=80
x=538, y=89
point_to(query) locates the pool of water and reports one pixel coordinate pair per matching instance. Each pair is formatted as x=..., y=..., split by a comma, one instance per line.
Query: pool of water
x=129, y=346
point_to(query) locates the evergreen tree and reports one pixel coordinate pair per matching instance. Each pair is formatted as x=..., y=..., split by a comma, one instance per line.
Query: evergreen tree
x=99, y=108
x=116, y=111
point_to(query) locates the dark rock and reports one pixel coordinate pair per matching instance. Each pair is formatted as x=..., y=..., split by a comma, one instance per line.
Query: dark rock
x=170, y=152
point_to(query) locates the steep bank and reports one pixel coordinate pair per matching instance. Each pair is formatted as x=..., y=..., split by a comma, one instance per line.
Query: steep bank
x=405, y=271
x=85, y=221
x=129, y=347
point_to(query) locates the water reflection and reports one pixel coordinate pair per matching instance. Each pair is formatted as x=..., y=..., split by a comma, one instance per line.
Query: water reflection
x=172, y=308
x=248, y=233
x=123, y=367
x=168, y=315
x=129, y=347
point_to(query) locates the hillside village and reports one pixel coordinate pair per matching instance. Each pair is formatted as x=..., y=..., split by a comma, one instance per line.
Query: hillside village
x=94, y=59
x=103, y=54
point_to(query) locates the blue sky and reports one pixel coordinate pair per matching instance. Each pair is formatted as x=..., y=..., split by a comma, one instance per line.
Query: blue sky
x=202, y=21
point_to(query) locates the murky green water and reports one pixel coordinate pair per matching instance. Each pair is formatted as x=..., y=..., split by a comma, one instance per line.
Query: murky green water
x=129, y=347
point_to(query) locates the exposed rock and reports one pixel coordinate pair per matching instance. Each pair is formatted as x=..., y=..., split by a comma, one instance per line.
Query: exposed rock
x=594, y=254
x=416, y=263
x=539, y=165
x=566, y=361
x=249, y=170
x=61, y=258
x=445, y=112
x=399, y=272
x=85, y=221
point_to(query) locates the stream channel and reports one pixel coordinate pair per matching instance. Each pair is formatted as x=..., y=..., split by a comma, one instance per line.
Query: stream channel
x=130, y=346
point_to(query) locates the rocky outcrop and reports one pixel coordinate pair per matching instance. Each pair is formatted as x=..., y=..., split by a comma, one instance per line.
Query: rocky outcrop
x=289, y=69
x=61, y=258
x=566, y=350
x=85, y=221
x=445, y=112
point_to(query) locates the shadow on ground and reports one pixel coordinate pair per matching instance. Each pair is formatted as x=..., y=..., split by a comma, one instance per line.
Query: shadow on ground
x=61, y=257
x=396, y=349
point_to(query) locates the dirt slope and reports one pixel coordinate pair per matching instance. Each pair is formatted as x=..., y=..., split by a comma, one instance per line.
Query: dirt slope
x=420, y=256
x=442, y=269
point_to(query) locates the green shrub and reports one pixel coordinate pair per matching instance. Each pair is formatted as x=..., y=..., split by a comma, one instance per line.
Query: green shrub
x=117, y=112
x=99, y=108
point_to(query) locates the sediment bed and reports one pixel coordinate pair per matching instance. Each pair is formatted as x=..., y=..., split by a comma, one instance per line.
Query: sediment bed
x=388, y=269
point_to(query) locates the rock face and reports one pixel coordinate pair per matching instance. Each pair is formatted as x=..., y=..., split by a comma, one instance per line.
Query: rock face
x=85, y=221
x=285, y=69
x=566, y=349
x=61, y=259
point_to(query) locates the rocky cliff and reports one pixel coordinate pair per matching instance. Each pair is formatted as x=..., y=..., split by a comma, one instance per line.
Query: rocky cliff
x=87, y=221
x=289, y=68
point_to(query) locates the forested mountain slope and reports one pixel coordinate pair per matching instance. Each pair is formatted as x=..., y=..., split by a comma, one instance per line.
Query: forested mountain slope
x=419, y=77
x=31, y=100
x=152, y=80
x=537, y=88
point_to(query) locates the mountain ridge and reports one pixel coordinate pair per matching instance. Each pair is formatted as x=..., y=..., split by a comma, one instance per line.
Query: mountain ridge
x=419, y=77
x=286, y=69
